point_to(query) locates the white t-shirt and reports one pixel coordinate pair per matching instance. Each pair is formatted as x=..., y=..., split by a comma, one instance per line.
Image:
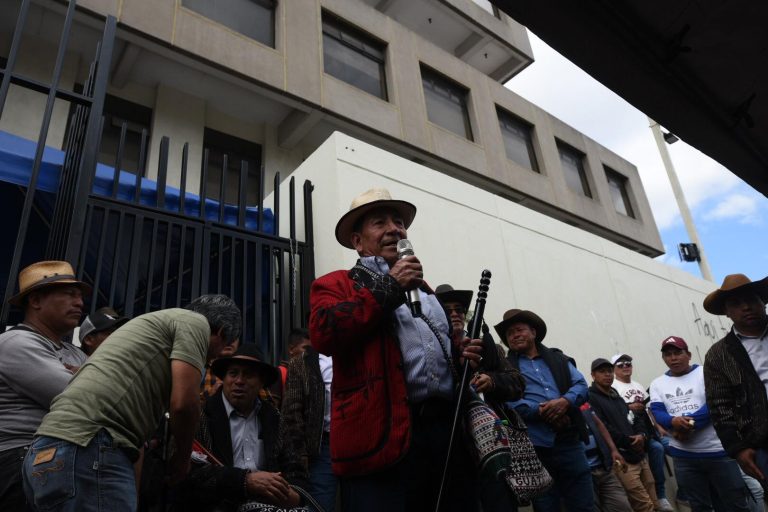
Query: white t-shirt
x=631, y=391
x=326, y=369
x=683, y=396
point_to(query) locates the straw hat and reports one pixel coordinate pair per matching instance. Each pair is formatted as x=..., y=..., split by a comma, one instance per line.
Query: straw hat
x=513, y=316
x=364, y=203
x=44, y=274
x=734, y=283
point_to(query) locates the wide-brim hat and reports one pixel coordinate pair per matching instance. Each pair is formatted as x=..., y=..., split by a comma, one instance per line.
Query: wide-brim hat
x=44, y=274
x=734, y=283
x=513, y=316
x=364, y=203
x=247, y=353
x=446, y=293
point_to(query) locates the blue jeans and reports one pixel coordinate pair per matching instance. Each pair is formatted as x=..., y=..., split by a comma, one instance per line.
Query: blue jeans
x=322, y=481
x=712, y=483
x=567, y=463
x=62, y=476
x=656, y=462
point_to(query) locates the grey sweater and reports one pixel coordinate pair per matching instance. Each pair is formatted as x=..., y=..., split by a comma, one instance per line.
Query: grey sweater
x=32, y=373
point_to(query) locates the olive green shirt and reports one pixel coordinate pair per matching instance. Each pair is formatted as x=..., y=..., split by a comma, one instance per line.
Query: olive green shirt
x=125, y=387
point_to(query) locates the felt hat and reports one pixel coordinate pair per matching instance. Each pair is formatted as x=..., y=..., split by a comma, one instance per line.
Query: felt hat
x=247, y=353
x=734, y=283
x=44, y=274
x=446, y=293
x=364, y=203
x=100, y=320
x=513, y=316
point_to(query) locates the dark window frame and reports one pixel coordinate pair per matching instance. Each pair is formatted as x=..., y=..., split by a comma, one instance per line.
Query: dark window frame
x=218, y=144
x=510, y=123
x=359, y=42
x=617, y=181
x=437, y=81
x=577, y=157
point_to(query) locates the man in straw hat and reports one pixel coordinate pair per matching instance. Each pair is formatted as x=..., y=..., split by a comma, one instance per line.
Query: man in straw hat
x=736, y=372
x=36, y=364
x=393, y=386
x=554, y=391
x=241, y=456
x=98, y=425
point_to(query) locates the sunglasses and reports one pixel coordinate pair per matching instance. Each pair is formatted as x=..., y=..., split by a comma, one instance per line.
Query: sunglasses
x=624, y=364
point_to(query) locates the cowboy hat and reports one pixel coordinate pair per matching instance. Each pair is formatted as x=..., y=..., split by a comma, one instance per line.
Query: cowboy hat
x=734, y=283
x=249, y=354
x=513, y=316
x=364, y=203
x=44, y=274
x=446, y=293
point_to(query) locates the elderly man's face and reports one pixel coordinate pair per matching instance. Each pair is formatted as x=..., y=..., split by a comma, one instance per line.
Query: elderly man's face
x=241, y=386
x=60, y=307
x=521, y=337
x=746, y=311
x=457, y=314
x=380, y=230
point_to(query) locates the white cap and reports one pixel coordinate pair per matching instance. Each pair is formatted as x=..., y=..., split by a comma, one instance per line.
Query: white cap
x=616, y=358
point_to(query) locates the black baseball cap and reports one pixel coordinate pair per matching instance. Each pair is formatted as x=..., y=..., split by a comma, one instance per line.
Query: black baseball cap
x=100, y=320
x=600, y=361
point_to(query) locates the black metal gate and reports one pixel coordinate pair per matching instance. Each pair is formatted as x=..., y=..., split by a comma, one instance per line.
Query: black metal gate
x=143, y=245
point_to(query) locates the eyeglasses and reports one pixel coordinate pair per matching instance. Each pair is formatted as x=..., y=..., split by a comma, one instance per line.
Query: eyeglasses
x=624, y=364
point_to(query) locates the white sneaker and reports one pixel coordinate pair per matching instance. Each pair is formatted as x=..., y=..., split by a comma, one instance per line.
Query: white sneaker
x=665, y=506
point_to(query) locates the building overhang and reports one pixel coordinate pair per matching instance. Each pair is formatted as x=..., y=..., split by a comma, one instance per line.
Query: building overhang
x=695, y=67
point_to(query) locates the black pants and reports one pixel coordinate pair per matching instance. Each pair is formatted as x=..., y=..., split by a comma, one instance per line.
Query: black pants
x=11, y=491
x=412, y=484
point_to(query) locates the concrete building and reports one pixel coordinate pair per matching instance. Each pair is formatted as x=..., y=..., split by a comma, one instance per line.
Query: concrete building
x=415, y=90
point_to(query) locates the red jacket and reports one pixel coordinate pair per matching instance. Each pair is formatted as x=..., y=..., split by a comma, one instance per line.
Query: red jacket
x=351, y=320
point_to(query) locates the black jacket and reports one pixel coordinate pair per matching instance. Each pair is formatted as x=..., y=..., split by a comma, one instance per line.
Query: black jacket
x=210, y=487
x=614, y=413
x=736, y=396
x=558, y=365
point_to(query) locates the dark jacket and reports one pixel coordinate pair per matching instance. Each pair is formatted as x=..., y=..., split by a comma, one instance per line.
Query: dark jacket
x=558, y=365
x=736, y=397
x=614, y=412
x=304, y=406
x=210, y=487
x=604, y=451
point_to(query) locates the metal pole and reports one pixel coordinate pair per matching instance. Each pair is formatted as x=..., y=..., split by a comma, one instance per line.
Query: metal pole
x=680, y=197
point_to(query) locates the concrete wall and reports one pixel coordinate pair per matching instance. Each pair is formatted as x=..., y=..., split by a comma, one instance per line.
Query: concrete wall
x=597, y=298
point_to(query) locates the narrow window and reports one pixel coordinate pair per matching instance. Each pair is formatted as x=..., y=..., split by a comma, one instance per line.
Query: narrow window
x=518, y=139
x=353, y=56
x=252, y=18
x=446, y=103
x=237, y=151
x=617, y=184
x=572, y=162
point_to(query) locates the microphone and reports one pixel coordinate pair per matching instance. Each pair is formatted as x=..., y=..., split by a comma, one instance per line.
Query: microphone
x=404, y=248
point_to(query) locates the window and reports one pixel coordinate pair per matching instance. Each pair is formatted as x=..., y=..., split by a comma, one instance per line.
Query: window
x=617, y=184
x=446, y=103
x=488, y=6
x=237, y=150
x=518, y=140
x=252, y=18
x=572, y=162
x=354, y=57
x=117, y=111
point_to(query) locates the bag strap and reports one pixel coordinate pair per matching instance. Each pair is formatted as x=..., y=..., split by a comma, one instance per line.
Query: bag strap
x=308, y=497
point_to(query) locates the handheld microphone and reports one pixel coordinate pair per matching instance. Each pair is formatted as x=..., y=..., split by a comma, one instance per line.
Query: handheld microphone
x=404, y=248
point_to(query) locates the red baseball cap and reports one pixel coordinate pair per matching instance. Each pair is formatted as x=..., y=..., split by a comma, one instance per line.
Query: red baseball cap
x=674, y=341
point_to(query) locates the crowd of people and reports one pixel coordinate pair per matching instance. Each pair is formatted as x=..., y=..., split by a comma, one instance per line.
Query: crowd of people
x=172, y=410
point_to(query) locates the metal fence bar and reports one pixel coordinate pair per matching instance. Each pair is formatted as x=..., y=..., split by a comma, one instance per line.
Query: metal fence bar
x=162, y=172
x=166, y=265
x=84, y=248
x=258, y=290
x=99, y=260
x=151, y=266
x=133, y=266
x=141, y=170
x=244, y=296
x=222, y=188
x=119, y=159
x=204, y=183
x=10, y=63
x=116, y=260
x=276, y=205
x=183, y=183
x=232, y=254
x=182, y=256
x=241, y=194
x=220, y=262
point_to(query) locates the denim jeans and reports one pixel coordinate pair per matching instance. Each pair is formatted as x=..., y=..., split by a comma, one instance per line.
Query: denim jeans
x=62, y=476
x=657, y=463
x=712, y=481
x=568, y=465
x=322, y=481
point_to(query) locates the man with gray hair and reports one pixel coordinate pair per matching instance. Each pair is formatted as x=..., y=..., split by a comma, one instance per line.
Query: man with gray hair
x=98, y=425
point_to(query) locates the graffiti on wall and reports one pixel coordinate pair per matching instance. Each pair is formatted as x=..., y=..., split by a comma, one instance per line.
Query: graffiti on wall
x=709, y=328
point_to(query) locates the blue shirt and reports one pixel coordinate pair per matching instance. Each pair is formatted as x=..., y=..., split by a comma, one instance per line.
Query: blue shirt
x=540, y=387
x=427, y=373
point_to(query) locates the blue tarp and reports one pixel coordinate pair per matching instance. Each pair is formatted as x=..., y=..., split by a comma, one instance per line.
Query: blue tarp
x=17, y=155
